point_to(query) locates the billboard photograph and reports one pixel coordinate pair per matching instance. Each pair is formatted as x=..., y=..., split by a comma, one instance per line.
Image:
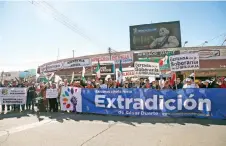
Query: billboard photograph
x=155, y=36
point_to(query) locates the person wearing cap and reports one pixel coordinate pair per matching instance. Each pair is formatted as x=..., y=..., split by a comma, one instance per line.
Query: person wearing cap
x=206, y=84
x=147, y=84
x=223, y=85
x=189, y=84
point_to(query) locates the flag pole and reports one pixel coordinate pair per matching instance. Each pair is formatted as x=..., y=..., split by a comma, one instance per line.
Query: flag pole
x=175, y=81
x=194, y=75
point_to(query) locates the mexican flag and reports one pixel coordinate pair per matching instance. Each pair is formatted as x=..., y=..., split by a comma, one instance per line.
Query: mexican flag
x=120, y=75
x=97, y=71
x=83, y=73
x=164, y=61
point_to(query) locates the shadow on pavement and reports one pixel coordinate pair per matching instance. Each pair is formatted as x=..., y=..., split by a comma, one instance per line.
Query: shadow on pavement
x=62, y=116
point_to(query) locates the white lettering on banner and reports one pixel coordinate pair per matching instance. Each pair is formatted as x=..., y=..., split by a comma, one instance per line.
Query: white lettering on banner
x=51, y=93
x=146, y=69
x=77, y=63
x=102, y=58
x=184, y=62
x=13, y=95
x=54, y=66
x=152, y=103
x=125, y=58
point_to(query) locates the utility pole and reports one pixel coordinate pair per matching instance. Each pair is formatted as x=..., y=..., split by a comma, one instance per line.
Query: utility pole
x=58, y=54
x=73, y=53
x=109, y=51
x=223, y=42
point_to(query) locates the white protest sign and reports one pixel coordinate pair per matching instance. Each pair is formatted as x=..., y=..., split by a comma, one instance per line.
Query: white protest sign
x=184, y=62
x=13, y=95
x=146, y=69
x=51, y=93
x=75, y=63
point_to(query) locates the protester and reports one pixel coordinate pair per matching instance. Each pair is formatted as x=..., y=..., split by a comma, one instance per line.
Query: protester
x=223, y=84
x=141, y=82
x=110, y=83
x=26, y=86
x=126, y=84
x=53, y=101
x=15, y=85
x=167, y=85
x=137, y=84
x=103, y=85
x=97, y=85
x=189, y=84
x=31, y=95
x=155, y=85
x=89, y=84
x=178, y=84
x=147, y=84
x=43, y=95
x=206, y=84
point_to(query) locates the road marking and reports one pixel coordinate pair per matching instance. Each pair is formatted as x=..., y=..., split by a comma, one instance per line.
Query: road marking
x=25, y=127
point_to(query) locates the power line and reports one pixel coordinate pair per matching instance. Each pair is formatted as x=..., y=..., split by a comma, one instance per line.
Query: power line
x=62, y=19
x=56, y=17
x=223, y=34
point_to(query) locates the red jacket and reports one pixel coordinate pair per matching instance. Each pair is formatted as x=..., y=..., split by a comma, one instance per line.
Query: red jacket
x=223, y=86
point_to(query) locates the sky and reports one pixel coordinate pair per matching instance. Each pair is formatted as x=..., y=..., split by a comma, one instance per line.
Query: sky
x=30, y=34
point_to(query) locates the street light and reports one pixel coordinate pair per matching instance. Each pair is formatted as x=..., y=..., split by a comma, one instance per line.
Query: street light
x=204, y=43
x=185, y=43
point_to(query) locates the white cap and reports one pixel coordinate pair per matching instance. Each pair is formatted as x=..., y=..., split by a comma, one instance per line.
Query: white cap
x=208, y=81
x=188, y=80
x=224, y=79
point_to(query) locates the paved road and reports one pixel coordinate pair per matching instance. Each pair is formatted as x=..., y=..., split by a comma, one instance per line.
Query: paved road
x=60, y=129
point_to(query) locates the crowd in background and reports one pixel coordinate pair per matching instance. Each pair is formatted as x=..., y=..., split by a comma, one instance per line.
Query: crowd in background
x=39, y=89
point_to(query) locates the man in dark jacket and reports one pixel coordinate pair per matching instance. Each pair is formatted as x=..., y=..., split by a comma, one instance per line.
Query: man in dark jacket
x=15, y=85
x=31, y=94
x=178, y=84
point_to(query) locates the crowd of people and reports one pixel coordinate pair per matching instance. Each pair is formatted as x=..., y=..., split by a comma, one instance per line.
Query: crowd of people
x=39, y=89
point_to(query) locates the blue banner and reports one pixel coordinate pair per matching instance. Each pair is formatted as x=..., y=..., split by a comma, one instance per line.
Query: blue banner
x=200, y=103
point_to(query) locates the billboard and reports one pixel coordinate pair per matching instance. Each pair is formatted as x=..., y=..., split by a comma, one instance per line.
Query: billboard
x=206, y=53
x=125, y=58
x=155, y=36
x=75, y=63
x=106, y=67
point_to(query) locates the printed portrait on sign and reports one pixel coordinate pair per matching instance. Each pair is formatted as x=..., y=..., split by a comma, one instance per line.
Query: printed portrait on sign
x=165, y=40
x=4, y=91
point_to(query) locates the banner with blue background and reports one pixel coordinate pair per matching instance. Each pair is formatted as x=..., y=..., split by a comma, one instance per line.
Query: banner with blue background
x=199, y=103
